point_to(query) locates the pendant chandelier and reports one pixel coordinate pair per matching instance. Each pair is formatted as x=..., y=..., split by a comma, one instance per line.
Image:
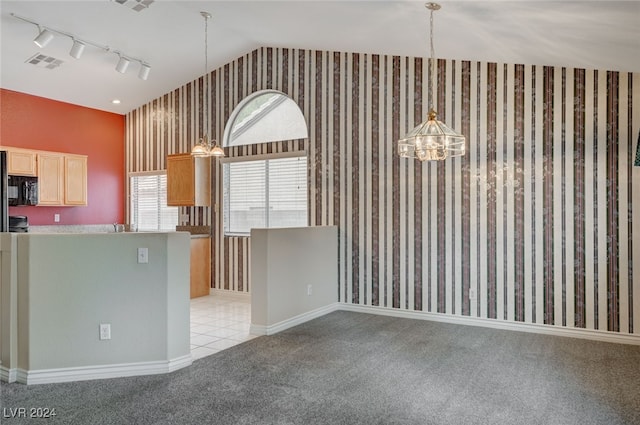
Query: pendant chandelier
x=432, y=139
x=206, y=147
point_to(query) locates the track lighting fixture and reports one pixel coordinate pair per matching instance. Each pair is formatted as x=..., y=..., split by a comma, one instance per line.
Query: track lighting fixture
x=43, y=38
x=143, y=74
x=45, y=35
x=76, y=49
x=122, y=65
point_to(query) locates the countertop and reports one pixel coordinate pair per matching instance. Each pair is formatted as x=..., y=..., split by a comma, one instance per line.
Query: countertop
x=196, y=231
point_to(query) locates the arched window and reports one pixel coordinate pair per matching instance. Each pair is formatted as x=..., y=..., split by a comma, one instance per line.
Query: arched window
x=265, y=116
x=262, y=191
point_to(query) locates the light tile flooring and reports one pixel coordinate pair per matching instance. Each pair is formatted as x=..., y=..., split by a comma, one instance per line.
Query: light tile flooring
x=218, y=322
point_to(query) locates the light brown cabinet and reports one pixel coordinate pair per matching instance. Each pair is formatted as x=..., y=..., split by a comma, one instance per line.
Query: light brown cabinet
x=62, y=179
x=21, y=162
x=200, y=266
x=50, y=179
x=75, y=180
x=188, y=180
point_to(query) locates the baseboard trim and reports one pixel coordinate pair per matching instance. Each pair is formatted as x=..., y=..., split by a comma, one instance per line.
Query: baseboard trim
x=497, y=324
x=244, y=296
x=50, y=376
x=294, y=321
x=8, y=375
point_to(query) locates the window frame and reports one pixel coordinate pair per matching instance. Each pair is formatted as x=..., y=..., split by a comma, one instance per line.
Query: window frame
x=133, y=225
x=260, y=157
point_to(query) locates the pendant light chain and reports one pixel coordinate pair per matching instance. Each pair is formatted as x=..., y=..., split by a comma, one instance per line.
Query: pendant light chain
x=205, y=100
x=432, y=67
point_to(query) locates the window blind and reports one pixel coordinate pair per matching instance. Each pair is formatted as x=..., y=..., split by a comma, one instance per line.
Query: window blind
x=265, y=193
x=149, y=210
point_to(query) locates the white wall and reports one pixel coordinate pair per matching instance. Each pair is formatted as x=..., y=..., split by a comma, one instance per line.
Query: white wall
x=283, y=263
x=8, y=310
x=68, y=284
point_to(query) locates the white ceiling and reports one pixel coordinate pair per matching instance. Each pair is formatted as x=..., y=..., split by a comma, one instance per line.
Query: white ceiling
x=169, y=35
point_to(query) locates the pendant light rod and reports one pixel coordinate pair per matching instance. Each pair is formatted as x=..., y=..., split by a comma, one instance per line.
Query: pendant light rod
x=432, y=57
x=205, y=99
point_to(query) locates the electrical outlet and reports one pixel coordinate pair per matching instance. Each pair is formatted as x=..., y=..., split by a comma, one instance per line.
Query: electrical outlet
x=472, y=294
x=56, y=218
x=105, y=331
x=309, y=290
x=143, y=255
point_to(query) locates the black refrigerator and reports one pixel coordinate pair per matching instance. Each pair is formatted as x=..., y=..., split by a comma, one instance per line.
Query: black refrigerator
x=4, y=200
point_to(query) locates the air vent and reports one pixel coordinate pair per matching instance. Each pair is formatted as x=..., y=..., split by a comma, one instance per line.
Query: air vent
x=136, y=5
x=44, y=61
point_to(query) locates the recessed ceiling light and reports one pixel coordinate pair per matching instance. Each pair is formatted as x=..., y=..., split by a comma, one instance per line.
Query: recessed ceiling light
x=116, y=101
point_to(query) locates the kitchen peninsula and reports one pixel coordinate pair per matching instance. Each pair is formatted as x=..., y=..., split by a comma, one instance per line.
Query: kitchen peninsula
x=93, y=305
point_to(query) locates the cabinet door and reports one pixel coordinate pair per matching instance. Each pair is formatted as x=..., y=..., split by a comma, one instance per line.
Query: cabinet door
x=75, y=181
x=50, y=179
x=21, y=163
x=200, y=266
x=180, y=181
x=188, y=181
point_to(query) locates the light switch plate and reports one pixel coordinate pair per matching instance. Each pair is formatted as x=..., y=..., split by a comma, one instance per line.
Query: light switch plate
x=143, y=255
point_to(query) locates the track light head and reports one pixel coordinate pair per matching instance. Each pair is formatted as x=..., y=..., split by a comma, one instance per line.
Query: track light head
x=43, y=38
x=143, y=74
x=122, y=65
x=76, y=49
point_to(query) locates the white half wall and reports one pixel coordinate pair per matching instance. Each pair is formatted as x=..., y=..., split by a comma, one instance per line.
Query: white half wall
x=69, y=284
x=293, y=276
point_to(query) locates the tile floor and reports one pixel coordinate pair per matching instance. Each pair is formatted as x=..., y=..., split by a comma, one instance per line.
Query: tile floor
x=217, y=322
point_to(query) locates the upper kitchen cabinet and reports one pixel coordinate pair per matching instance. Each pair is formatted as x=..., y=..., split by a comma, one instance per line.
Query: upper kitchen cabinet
x=62, y=179
x=21, y=162
x=50, y=178
x=188, y=181
x=75, y=180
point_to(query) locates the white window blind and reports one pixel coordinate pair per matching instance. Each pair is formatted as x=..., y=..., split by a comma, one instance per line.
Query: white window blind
x=149, y=210
x=265, y=193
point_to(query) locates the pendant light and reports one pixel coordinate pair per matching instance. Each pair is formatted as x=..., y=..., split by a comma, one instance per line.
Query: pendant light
x=432, y=139
x=204, y=146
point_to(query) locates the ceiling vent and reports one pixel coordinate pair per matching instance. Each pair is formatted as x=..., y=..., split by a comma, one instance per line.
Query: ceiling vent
x=137, y=5
x=43, y=61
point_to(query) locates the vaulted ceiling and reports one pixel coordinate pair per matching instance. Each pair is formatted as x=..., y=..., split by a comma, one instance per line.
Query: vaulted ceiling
x=169, y=35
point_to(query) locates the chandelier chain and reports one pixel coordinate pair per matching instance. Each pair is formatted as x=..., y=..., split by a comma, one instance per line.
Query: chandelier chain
x=432, y=67
x=205, y=100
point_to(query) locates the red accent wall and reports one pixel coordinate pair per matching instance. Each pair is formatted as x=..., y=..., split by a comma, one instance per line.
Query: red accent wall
x=37, y=123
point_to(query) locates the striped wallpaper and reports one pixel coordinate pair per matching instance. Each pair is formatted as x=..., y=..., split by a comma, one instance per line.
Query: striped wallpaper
x=533, y=224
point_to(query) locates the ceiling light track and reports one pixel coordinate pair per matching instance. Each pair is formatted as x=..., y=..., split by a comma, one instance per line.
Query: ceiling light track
x=46, y=34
